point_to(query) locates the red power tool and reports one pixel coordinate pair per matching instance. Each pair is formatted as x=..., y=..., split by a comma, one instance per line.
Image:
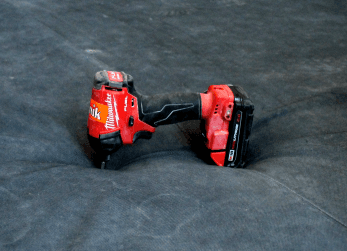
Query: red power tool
x=119, y=115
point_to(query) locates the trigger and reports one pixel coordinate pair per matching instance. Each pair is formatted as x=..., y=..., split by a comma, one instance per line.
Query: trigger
x=142, y=135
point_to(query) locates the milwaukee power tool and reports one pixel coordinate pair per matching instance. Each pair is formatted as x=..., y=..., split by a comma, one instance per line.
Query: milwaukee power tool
x=119, y=115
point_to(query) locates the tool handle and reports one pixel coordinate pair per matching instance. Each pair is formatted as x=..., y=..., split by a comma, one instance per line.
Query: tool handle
x=163, y=109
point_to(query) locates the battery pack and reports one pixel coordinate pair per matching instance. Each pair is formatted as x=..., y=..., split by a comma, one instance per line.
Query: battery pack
x=240, y=128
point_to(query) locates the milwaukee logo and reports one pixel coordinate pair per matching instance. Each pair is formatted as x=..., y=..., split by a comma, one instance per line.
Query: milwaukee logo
x=94, y=111
x=235, y=133
x=109, y=125
x=234, y=146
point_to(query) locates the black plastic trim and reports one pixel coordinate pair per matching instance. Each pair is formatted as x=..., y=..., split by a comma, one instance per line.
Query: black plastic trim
x=163, y=109
x=106, y=143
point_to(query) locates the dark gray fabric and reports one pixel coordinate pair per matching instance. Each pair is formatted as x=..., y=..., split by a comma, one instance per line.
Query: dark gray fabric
x=291, y=58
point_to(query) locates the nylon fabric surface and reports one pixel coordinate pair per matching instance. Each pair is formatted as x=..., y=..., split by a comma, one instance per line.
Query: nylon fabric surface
x=162, y=193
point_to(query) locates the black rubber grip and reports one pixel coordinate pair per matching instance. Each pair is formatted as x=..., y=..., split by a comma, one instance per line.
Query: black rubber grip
x=163, y=109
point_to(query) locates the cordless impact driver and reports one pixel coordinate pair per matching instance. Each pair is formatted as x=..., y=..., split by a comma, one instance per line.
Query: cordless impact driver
x=119, y=115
